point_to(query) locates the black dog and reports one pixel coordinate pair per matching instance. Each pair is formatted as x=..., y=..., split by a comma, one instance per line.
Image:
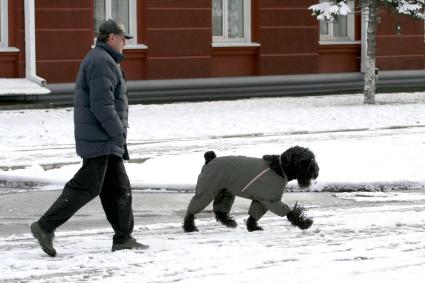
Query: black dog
x=261, y=180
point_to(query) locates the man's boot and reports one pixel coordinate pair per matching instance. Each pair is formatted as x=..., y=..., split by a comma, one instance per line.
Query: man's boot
x=129, y=244
x=44, y=238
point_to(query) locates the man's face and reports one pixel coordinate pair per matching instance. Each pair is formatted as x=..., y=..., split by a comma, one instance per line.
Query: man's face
x=116, y=42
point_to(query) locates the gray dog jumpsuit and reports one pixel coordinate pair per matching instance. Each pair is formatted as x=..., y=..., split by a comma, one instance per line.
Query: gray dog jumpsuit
x=225, y=177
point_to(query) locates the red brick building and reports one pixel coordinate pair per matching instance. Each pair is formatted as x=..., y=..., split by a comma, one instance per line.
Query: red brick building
x=181, y=39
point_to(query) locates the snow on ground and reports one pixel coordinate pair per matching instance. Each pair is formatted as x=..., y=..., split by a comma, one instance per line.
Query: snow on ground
x=349, y=242
x=356, y=237
x=380, y=196
x=13, y=86
x=353, y=142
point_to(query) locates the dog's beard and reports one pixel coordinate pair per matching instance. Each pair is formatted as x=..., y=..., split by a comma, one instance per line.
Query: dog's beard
x=304, y=183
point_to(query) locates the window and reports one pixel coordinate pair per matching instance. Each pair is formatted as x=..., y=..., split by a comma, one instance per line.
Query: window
x=3, y=24
x=123, y=11
x=231, y=20
x=342, y=29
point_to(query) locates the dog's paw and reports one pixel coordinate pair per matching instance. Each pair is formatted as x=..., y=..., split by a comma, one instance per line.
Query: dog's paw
x=190, y=229
x=225, y=219
x=189, y=224
x=252, y=225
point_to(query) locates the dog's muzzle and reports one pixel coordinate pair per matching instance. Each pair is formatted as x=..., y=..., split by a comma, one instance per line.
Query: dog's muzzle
x=304, y=183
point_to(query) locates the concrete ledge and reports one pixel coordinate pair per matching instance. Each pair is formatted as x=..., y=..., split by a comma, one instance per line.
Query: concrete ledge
x=161, y=91
x=20, y=86
x=240, y=87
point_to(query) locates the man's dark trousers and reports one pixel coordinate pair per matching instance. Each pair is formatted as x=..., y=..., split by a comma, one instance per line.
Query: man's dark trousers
x=103, y=176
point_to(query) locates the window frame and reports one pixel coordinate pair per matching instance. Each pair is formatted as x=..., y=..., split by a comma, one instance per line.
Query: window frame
x=350, y=38
x=246, y=25
x=4, y=24
x=132, y=20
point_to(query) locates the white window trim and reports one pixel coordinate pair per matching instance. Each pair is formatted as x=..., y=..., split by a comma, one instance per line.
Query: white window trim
x=339, y=42
x=235, y=44
x=246, y=22
x=349, y=39
x=132, y=20
x=135, y=46
x=4, y=41
x=127, y=46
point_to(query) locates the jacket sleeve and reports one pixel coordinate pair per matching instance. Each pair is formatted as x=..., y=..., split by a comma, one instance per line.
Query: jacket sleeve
x=102, y=81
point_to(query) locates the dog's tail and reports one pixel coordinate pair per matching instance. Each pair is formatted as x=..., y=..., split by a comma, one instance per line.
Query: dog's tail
x=209, y=155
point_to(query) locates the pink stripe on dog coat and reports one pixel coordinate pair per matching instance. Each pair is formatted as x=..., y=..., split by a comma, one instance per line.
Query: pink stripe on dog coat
x=255, y=178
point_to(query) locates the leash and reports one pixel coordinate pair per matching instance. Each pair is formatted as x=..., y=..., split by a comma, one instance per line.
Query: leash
x=255, y=178
x=263, y=172
x=281, y=165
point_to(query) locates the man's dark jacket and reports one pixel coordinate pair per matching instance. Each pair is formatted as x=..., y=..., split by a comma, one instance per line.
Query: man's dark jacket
x=101, y=105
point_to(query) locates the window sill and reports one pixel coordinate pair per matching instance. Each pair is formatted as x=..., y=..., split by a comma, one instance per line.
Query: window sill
x=132, y=46
x=339, y=42
x=135, y=46
x=235, y=44
x=9, y=49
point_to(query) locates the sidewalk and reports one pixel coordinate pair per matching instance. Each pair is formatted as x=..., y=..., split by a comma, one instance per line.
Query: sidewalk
x=19, y=210
x=356, y=238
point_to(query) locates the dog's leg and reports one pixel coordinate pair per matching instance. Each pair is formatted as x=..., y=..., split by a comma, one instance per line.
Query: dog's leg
x=256, y=210
x=252, y=225
x=222, y=205
x=207, y=188
x=225, y=219
x=189, y=223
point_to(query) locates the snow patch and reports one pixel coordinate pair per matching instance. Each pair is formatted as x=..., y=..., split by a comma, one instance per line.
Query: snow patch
x=381, y=196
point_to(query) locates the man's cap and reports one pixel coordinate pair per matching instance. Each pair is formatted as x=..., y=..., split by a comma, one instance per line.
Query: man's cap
x=111, y=26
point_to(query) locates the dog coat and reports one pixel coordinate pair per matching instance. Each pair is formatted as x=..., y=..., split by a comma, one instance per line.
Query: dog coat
x=241, y=176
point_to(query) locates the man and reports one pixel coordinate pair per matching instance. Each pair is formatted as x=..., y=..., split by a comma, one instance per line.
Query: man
x=101, y=121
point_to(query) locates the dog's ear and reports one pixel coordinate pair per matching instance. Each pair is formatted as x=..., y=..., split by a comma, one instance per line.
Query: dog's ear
x=308, y=164
x=312, y=168
x=287, y=156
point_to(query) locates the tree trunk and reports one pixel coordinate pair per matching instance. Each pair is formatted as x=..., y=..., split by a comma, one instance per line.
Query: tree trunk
x=370, y=62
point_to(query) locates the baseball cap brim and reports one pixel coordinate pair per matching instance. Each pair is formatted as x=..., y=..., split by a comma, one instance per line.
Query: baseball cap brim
x=127, y=36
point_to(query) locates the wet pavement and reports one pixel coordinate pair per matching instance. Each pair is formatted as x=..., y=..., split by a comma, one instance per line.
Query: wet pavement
x=19, y=210
x=356, y=237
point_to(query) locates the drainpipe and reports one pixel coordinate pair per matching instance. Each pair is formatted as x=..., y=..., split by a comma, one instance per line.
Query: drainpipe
x=30, y=66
